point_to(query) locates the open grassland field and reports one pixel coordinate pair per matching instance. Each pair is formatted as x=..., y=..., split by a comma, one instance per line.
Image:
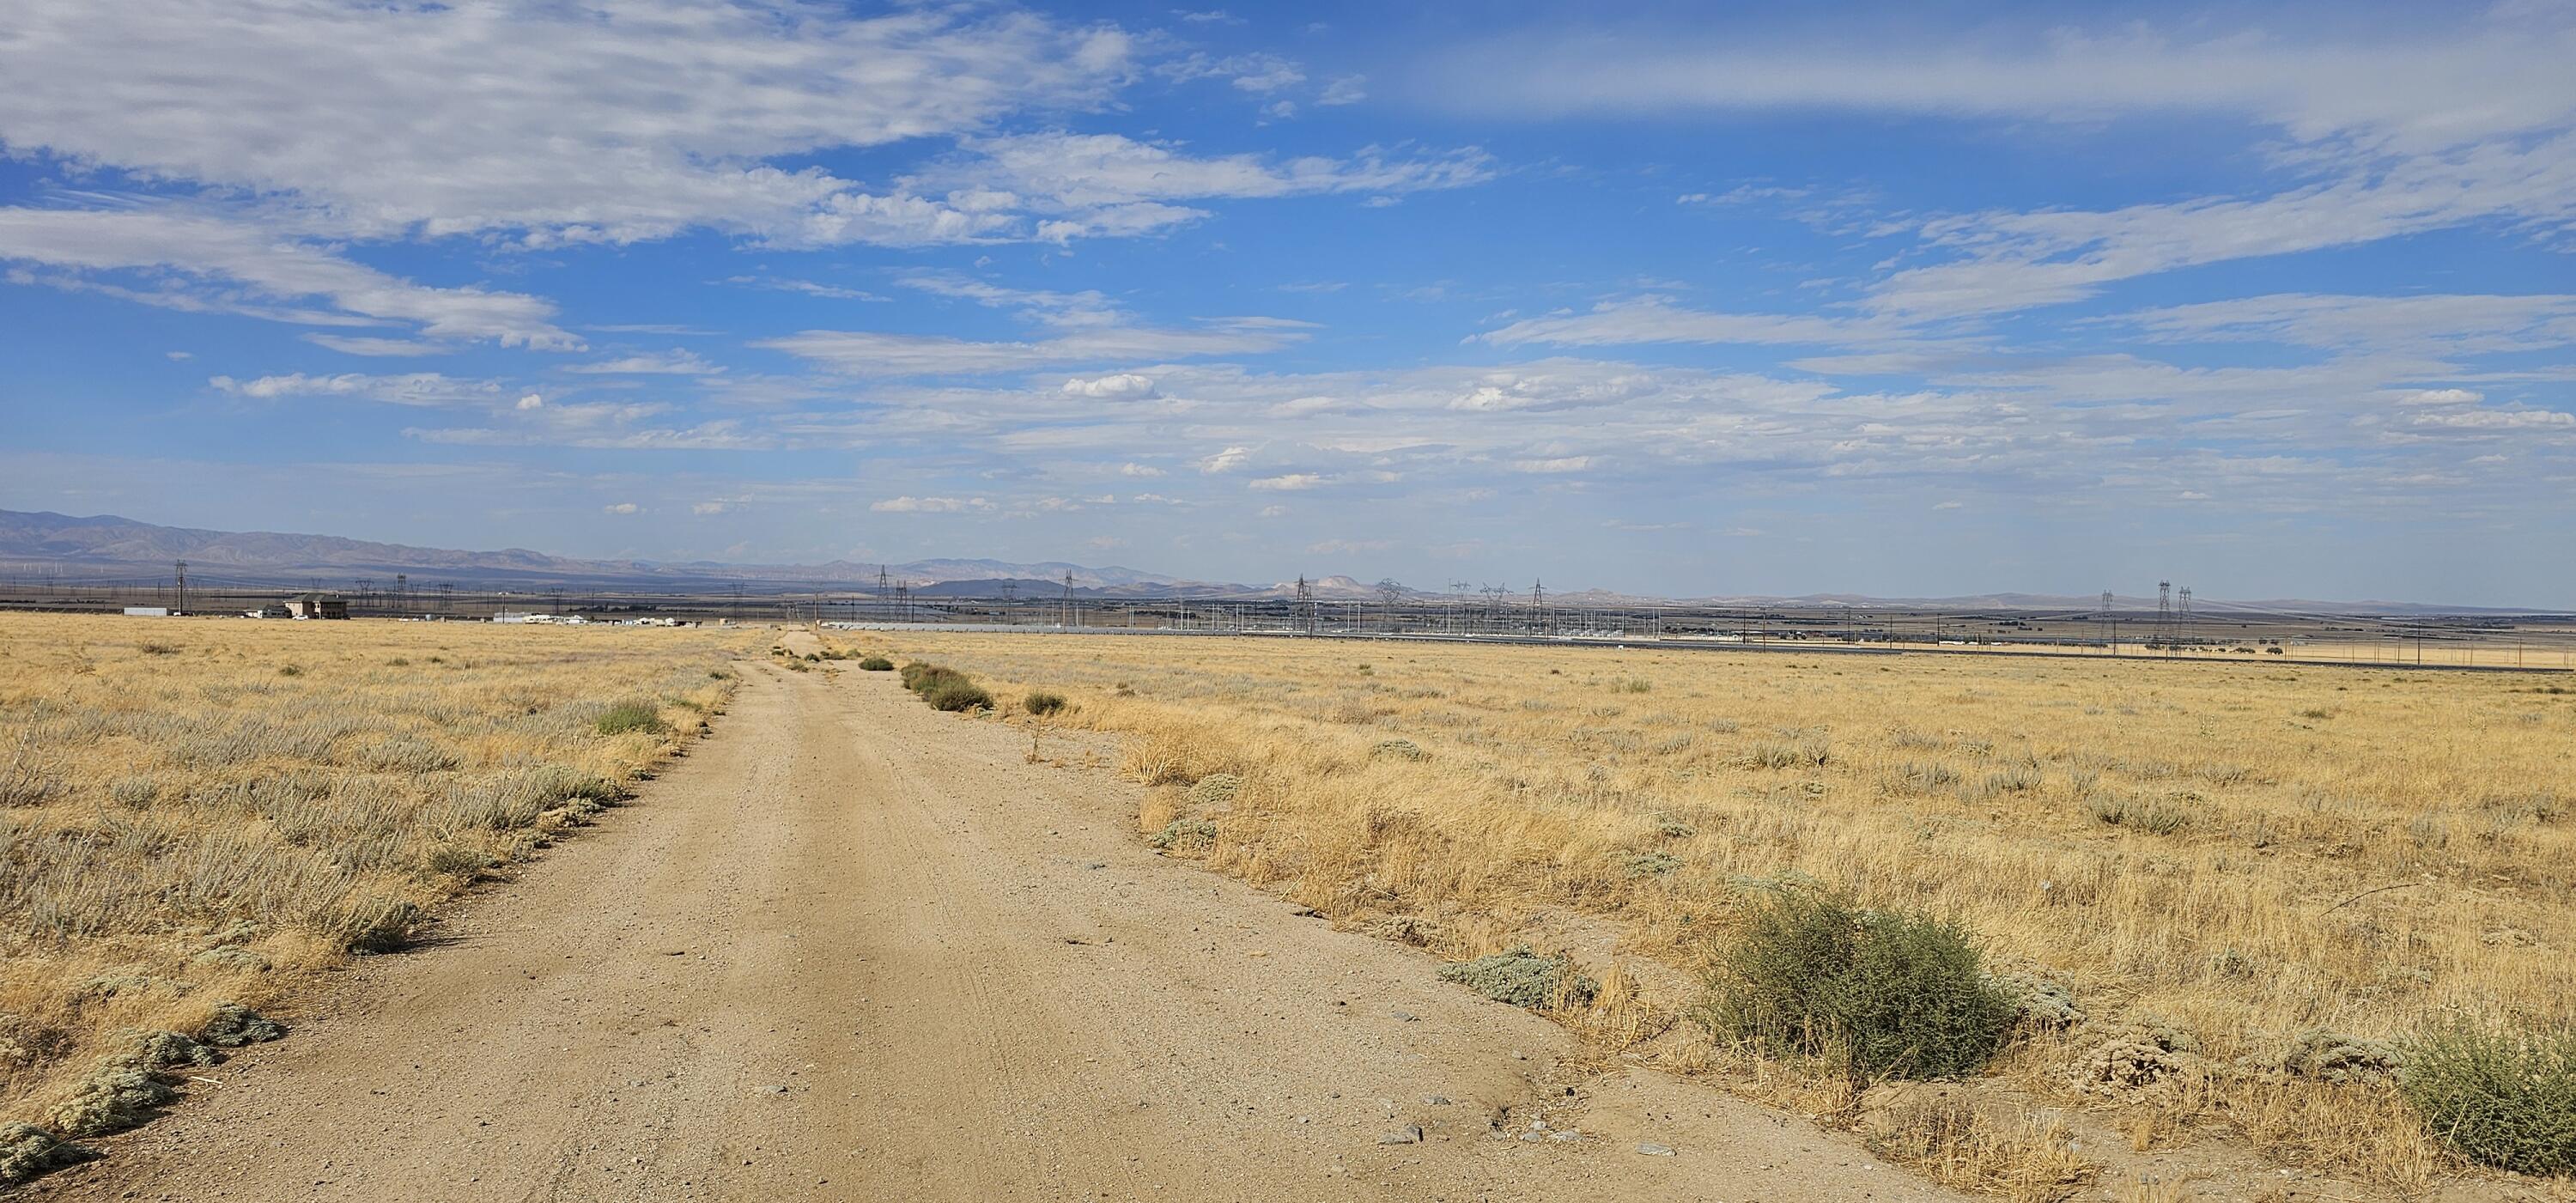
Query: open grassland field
x=196, y=815
x=2225, y=897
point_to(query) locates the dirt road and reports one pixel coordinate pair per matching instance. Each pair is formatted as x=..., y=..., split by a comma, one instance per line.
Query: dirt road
x=854, y=949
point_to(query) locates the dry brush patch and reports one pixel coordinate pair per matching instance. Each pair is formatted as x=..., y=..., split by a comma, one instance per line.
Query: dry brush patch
x=2190, y=872
x=195, y=815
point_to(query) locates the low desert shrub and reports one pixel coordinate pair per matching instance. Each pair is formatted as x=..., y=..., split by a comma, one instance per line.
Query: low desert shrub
x=1887, y=993
x=1215, y=789
x=633, y=715
x=374, y=923
x=922, y=678
x=2153, y=816
x=1653, y=862
x=956, y=694
x=1400, y=749
x=27, y=776
x=1042, y=702
x=876, y=664
x=1807, y=751
x=1183, y=834
x=27, y=1151
x=234, y=1025
x=1523, y=978
x=2502, y=1098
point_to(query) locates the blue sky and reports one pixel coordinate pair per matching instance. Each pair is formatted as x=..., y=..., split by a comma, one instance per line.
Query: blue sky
x=1904, y=299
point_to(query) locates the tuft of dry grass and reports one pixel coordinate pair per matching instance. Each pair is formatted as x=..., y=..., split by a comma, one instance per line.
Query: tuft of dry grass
x=2019, y=1156
x=186, y=827
x=2178, y=843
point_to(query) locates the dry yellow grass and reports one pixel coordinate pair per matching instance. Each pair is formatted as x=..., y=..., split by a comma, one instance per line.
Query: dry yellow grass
x=2219, y=856
x=195, y=812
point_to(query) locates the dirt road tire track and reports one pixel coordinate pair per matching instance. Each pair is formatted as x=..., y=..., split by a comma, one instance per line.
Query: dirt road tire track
x=851, y=948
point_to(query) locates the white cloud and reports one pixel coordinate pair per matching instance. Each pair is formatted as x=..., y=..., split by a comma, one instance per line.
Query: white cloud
x=810, y=288
x=572, y=122
x=2385, y=135
x=1113, y=184
x=416, y=388
x=1292, y=482
x=623, y=507
x=531, y=401
x=2430, y=323
x=1138, y=470
x=1124, y=386
x=1658, y=320
x=869, y=353
x=235, y=267
x=2491, y=420
x=1349, y=89
x=930, y=505
x=1225, y=461
x=707, y=507
x=2459, y=80
x=389, y=347
x=1556, y=466
x=1255, y=73
x=670, y=363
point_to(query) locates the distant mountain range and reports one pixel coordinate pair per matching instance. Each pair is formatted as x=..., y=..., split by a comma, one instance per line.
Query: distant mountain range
x=106, y=546
x=108, y=549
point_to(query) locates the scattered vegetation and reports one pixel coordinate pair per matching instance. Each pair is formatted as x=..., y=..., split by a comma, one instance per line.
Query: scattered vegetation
x=1182, y=835
x=1214, y=790
x=2021, y=1157
x=2236, y=894
x=184, y=829
x=2153, y=816
x=27, y=1151
x=633, y=715
x=1400, y=749
x=1042, y=703
x=876, y=664
x=946, y=688
x=1523, y=978
x=1883, y=993
x=2500, y=1097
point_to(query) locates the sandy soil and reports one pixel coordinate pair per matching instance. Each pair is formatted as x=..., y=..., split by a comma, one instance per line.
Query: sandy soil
x=854, y=949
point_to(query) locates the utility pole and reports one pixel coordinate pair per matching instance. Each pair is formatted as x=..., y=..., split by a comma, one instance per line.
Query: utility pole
x=1067, y=620
x=182, y=573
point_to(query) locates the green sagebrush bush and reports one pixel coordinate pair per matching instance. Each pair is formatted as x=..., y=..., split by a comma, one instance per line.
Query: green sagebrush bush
x=1888, y=993
x=2502, y=1098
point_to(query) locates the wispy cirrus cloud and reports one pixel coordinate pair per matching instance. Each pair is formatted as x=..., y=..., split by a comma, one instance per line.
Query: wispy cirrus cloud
x=230, y=266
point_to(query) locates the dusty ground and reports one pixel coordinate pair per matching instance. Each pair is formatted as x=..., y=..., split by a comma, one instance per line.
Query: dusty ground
x=855, y=949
